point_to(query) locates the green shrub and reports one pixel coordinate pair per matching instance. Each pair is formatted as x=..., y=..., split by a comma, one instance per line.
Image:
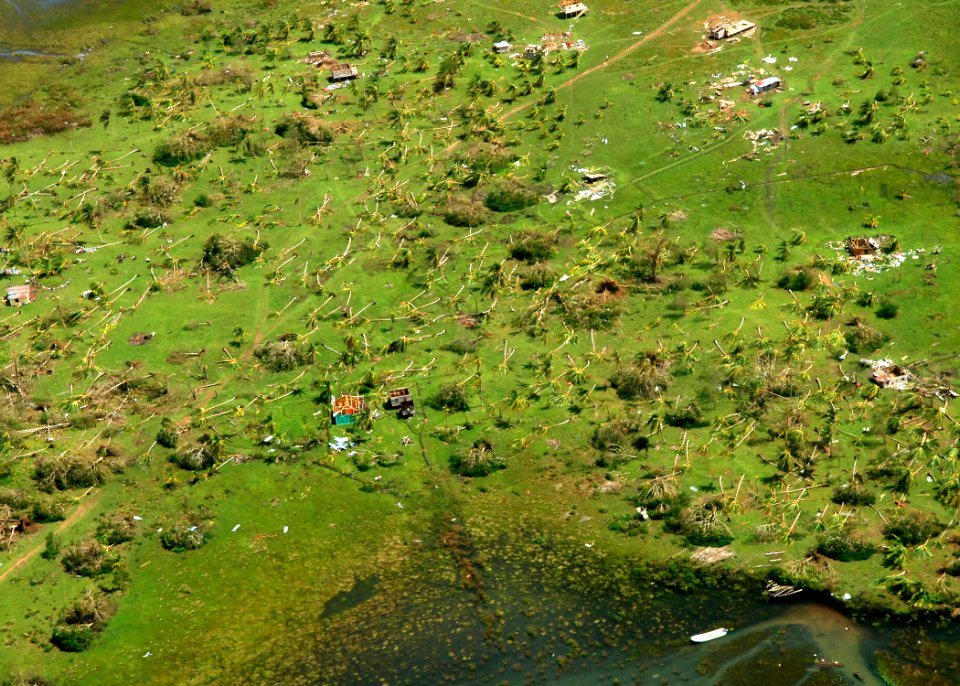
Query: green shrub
x=74, y=471
x=449, y=398
x=533, y=247
x=182, y=148
x=863, y=338
x=478, y=460
x=645, y=379
x=284, y=355
x=591, y=312
x=617, y=433
x=799, y=279
x=510, y=198
x=702, y=523
x=82, y=621
x=72, y=639
x=538, y=276
x=116, y=529
x=887, y=310
x=465, y=212
x=855, y=494
x=167, y=436
x=46, y=511
x=304, y=130
x=184, y=537
x=51, y=547
x=88, y=558
x=225, y=255
x=913, y=528
x=838, y=545
x=689, y=417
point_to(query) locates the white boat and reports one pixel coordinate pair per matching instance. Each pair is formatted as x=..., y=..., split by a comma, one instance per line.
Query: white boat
x=709, y=636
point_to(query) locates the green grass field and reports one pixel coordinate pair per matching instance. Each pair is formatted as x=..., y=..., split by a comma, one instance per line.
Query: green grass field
x=687, y=344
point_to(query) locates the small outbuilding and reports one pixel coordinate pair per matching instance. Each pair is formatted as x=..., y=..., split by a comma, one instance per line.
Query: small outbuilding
x=19, y=295
x=572, y=8
x=343, y=72
x=502, y=47
x=765, y=85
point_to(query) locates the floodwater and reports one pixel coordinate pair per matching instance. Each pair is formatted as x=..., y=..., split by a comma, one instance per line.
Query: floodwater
x=498, y=617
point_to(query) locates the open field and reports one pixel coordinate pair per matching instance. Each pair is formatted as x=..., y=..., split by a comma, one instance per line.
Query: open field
x=616, y=285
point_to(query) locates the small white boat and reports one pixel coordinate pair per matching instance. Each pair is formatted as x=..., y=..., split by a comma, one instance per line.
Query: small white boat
x=709, y=636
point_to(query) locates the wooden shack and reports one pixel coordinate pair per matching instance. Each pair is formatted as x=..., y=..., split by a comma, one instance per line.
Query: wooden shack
x=19, y=295
x=502, y=47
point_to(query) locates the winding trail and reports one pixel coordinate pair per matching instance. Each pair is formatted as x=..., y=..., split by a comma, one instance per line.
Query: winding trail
x=28, y=555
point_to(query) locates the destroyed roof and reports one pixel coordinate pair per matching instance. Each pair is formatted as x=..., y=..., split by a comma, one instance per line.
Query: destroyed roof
x=348, y=404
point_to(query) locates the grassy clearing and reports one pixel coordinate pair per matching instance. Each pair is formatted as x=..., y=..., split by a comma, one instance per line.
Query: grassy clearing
x=628, y=355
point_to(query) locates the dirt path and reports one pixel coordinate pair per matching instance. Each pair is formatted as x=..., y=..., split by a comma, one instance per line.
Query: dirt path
x=76, y=515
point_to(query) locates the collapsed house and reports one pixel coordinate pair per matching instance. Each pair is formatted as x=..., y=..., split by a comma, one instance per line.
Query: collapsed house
x=728, y=28
x=889, y=374
x=320, y=59
x=345, y=407
x=19, y=295
x=572, y=8
x=343, y=72
x=863, y=246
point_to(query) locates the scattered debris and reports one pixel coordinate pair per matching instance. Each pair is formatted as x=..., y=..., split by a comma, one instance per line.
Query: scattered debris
x=320, y=59
x=711, y=555
x=888, y=374
x=873, y=255
x=722, y=234
x=781, y=591
x=140, y=338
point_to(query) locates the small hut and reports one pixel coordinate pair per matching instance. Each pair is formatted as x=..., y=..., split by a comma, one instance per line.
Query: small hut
x=19, y=295
x=502, y=47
